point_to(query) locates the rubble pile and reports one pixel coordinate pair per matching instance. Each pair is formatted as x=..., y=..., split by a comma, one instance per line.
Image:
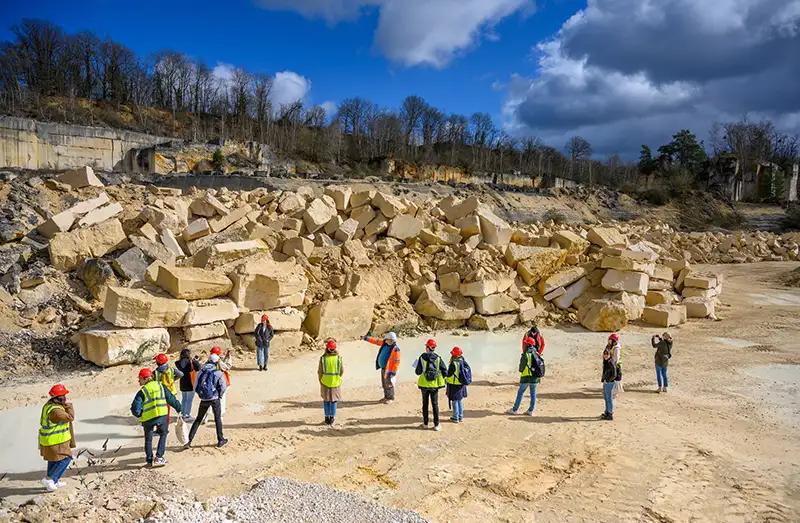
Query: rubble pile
x=197, y=270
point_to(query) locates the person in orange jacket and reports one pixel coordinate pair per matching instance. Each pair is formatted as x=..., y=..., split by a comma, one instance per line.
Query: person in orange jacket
x=388, y=362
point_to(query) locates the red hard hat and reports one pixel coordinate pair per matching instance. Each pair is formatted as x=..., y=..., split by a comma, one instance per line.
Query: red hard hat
x=530, y=341
x=331, y=345
x=58, y=390
x=264, y=317
x=216, y=350
x=614, y=337
x=431, y=344
x=145, y=373
x=161, y=359
x=456, y=351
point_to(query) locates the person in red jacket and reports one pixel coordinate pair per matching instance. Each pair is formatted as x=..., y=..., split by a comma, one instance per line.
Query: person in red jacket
x=388, y=362
x=537, y=338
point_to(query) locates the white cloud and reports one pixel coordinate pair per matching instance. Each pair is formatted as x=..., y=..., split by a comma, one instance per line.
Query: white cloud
x=223, y=71
x=330, y=108
x=289, y=87
x=418, y=32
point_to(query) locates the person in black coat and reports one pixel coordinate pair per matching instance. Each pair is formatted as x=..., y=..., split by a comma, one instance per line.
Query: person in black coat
x=264, y=334
x=456, y=391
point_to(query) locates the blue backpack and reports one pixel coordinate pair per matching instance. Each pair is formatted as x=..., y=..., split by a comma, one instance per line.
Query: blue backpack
x=206, y=388
x=464, y=373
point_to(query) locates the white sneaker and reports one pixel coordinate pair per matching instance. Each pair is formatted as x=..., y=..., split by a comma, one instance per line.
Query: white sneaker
x=61, y=484
x=424, y=426
x=49, y=485
x=159, y=462
x=437, y=428
x=512, y=412
x=529, y=413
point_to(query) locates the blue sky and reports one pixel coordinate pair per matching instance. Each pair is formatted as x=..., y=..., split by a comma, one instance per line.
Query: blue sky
x=619, y=72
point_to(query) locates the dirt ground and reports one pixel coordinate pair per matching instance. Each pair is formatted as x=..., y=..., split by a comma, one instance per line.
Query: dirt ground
x=722, y=445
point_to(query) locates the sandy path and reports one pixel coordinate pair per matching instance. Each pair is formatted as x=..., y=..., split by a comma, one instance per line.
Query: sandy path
x=723, y=445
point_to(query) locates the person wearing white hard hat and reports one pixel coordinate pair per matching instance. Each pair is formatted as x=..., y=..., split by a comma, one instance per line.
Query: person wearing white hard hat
x=388, y=362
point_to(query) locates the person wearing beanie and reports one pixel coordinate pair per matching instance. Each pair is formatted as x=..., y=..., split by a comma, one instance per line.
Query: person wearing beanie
x=56, y=437
x=431, y=371
x=329, y=372
x=150, y=406
x=388, y=362
x=210, y=387
x=264, y=334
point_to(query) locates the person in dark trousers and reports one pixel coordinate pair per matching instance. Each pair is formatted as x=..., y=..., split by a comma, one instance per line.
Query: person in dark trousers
x=456, y=391
x=431, y=370
x=526, y=378
x=388, y=362
x=150, y=406
x=264, y=334
x=663, y=346
x=189, y=367
x=609, y=379
x=210, y=387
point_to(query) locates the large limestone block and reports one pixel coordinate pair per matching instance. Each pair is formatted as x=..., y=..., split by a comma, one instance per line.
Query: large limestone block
x=317, y=215
x=138, y=308
x=542, y=262
x=376, y=284
x=79, y=209
x=571, y=242
x=618, y=252
x=264, y=284
x=286, y=319
x=606, y=237
x=291, y=203
x=487, y=286
x=149, y=232
x=660, y=272
x=442, y=235
x=106, y=345
x=561, y=279
x=378, y=225
x=699, y=307
x=204, y=346
x=659, y=285
x=572, y=293
x=635, y=282
x=191, y=283
x=69, y=249
x=389, y=205
x=171, y=242
x=81, y=177
x=463, y=209
x=224, y=253
x=516, y=253
x=700, y=282
x=205, y=332
x=347, y=230
x=404, y=227
x=298, y=247
x=345, y=319
x=676, y=265
x=665, y=315
x=131, y=264
x=341, y=196
x=434, y=304
x=694, y=292
x=604, y=315
x=363, y=215
x=223, y=222
x=495, y=304
x=627, y=264
x=60, y=222
x=196, y=229
x=450, y=282
x=633, y=303
x=495, y=230
x=362, y=197
x=469, y=226
x=655, y=297
x=100, y=215
x=492, y=323
x=203, y=312
x=333, y=225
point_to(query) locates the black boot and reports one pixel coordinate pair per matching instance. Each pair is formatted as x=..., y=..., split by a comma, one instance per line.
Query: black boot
x=604, y=415
x=327, y=420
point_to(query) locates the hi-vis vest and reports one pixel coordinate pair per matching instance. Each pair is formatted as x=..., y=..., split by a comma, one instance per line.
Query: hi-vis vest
x=155, y=401
x=52, y=433
x=527, y=370
x=438, y=383
x=167, y=379
x=331, y=371
x=453, y=380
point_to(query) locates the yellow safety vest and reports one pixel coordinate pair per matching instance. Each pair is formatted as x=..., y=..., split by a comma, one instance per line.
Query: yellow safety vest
x=52, y=433
x=155, y=401
x=453, y=380
x=331, y=371
x=527, y=370
x=436, y=384
x=167, y=379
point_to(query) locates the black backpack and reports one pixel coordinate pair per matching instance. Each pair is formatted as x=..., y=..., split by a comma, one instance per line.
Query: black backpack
x=432, y=369
x=537, y=364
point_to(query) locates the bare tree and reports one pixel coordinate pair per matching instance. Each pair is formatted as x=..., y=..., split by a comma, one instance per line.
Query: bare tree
x=411, y=112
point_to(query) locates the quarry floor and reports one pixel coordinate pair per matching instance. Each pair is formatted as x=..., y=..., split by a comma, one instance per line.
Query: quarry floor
x=722, y=445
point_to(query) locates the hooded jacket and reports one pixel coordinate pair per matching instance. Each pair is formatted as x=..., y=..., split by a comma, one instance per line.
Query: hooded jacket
x=218, y=379
x=430, y=358
x=663, y=351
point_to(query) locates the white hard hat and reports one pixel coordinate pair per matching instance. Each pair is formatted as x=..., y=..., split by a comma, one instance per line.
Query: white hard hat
x=391, y=336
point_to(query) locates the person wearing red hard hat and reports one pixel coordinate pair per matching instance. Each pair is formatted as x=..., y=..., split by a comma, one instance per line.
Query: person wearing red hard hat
x=531, y=370
x=459, y=375
x=431, y=371
x=264, y=334
x=329, y=373
x=56, y=437
x=151, y=407
x=538, y=339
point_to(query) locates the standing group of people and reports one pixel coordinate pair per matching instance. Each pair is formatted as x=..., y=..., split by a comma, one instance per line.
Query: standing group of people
x=210, y=381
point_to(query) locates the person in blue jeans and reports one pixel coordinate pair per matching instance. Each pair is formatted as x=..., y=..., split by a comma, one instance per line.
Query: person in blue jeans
x=609, y=379
x=456, y=391
x=263, y=334
x=150, y=407
x=663, y=346
x=527, y=380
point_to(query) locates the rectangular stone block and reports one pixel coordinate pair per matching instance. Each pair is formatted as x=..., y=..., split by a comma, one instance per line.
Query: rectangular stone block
x=100, y=215
x=106, y=345
x=665, y=315
x=699, y=307
x=203, y=312
x=191, y=283
x=700, y=282
x=196, y=229
x=633, y=282
x=138, y=308
x=60, y=222
x=345, y=319
x=205, y=332
x=223, y=222
x=572, y=293
x=171, y=242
